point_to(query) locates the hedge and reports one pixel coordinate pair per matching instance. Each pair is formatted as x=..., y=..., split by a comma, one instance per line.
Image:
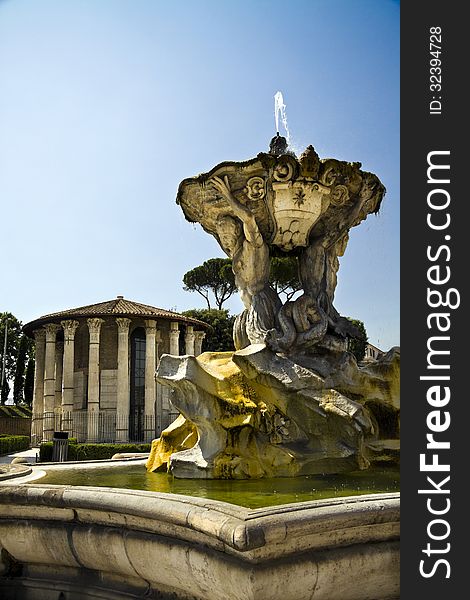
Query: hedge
x=90, y=451
x=13, y=443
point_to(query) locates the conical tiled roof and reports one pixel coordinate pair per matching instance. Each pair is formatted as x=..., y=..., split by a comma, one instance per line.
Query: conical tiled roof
x=118, y=307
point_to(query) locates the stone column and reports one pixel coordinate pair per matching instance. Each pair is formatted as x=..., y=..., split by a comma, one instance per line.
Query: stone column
x=123, y=389
x=174, y=338
x=199, y=337
x=38, y=394
x=94, y=327
x=150, y=383
x=69, y=327
x=158, y=342
x=158, y=391
x=174, y=350
x=189, y=340
x=59, y=370
x=49, y=380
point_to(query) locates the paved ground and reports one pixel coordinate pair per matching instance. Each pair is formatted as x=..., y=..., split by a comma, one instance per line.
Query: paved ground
x=29, y=454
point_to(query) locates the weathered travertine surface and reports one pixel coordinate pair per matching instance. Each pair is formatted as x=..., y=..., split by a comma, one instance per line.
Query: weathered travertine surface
x=291, y=400
x=259, y=414
x=89, y=543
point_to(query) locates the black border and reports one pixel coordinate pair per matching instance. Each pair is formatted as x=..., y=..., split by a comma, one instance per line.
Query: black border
x=421, y=133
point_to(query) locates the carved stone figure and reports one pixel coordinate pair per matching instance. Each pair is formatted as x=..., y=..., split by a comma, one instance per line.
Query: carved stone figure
x=278, y=203
x=243, y=242
x=291, y=400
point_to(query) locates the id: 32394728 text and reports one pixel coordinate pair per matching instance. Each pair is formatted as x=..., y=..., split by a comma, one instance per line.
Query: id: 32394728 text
x=435, y=70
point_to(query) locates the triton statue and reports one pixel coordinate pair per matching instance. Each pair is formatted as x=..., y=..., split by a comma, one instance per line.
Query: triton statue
x=277, y=203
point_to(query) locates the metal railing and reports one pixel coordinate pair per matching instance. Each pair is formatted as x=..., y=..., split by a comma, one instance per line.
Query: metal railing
x=99, y=426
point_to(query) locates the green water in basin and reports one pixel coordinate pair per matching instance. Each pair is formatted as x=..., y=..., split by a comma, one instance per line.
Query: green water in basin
x=252, y=493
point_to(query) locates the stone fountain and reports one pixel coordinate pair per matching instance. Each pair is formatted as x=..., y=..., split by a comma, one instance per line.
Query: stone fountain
x=291, y=400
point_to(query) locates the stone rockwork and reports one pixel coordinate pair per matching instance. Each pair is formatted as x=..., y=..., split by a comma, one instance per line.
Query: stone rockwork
x=255, y=413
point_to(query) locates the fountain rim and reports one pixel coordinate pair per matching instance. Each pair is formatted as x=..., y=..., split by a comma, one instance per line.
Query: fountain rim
x=34, y=473
x=240, y=529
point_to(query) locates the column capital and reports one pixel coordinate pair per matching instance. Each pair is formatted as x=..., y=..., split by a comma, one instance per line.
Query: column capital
x=198, y=338
x=174, y=335
x=189, y=339
x=151, y=324
x=51, y=331
x=94, y=327
x=94, y=324
x=123, y=324
x=39, y=335
x=70, y=327
x=190, y=335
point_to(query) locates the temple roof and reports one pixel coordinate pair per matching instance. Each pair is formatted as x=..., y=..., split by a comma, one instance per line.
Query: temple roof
x=118, y=307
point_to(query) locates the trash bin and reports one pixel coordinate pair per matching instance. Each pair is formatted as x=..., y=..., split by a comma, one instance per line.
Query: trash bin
x=60, y=446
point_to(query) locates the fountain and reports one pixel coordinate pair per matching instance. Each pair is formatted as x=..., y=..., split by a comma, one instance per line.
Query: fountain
x=291, y=400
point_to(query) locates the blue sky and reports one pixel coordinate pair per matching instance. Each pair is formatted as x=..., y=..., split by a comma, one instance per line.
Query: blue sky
x=105, y=106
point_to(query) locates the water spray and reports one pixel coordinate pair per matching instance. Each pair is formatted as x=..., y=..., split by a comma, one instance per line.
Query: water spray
x=280, y=111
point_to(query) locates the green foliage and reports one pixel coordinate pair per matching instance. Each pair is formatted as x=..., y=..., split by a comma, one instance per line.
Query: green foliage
x=219, y=338
x=13, y=443
x=90, y=451
x=214, y=275
x=45, y=452
x=29, y=383
x=5, y=390
x=358, y=346
x=14, y=334
x=18, y=383
x=19, y=349
x=284, y=275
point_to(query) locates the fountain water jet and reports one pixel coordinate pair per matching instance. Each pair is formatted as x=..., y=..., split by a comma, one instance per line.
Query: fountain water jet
x=280, y=111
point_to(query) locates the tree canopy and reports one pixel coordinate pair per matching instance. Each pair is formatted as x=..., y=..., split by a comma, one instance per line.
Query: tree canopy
x=358, y=346
x=284, y=275
x=214, y=275
x=219, y=337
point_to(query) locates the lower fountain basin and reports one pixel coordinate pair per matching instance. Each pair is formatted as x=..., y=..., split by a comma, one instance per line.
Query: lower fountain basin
x=252, y=493
x=94, y=542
